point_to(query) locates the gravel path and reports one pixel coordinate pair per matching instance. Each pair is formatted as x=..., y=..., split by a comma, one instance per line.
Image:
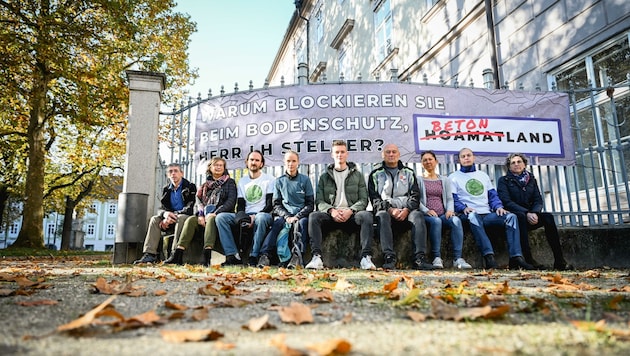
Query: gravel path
x=508, y=312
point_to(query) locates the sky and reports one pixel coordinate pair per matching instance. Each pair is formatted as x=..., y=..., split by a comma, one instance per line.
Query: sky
x=236, y=41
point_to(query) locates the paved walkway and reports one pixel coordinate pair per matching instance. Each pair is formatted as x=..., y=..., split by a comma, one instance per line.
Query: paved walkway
x=51, y=307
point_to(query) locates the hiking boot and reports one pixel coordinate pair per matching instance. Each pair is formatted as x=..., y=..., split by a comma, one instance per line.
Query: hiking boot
x=207, y=257
x=263, y=261
x=519, y=262
x=438, y=263
x=316, y=263
x=422, y=264
x=461, y=263
x=490, y=262
x=147, y=258
x=252, y=261
x=295, y=261
x=232, y=260
x=366, y=263
x=176, y=258
x=390, y=262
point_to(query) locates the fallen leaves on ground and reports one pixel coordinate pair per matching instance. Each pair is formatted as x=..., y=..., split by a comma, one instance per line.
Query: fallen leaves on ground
x=179, y=336
x=257, y=324
x=296, y=313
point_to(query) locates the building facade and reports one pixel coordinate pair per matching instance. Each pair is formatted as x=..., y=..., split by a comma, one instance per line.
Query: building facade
x=96, y=231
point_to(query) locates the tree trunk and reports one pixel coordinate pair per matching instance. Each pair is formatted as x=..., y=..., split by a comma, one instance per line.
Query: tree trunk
x=4, y=198
x=32, y=232
x=66, y=232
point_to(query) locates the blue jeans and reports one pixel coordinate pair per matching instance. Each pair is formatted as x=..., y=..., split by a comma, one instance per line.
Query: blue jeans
x=227, y=221
x=279, y=243
x=434, y=227
x=478, y=223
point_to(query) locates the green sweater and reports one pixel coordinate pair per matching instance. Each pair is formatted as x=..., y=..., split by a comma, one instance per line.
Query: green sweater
x=356, y=190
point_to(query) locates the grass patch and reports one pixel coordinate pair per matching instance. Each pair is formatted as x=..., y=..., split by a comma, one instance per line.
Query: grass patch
x=35, y=252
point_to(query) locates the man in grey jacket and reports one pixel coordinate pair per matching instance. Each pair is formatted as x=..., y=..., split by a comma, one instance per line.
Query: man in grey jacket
x=395, y=197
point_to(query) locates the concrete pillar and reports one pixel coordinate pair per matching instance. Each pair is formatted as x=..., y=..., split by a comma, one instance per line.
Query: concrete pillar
x=145, y=94
x=136, y=203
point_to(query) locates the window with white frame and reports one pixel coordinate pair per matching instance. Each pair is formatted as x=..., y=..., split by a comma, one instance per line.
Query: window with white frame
x=50, y=229
x=319, y=18
x=13, y=229
x=383, y=26
x=90, y=230
x=111, y=230
x=596, y=119
x=94, y=208
x=112, y=209
x=344, y=56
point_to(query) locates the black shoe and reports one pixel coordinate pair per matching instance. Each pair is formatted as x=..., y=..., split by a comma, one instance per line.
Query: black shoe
x=519, y=262
x=207, y=257
x=232, y=260
x=390, y=262
x=295, y=261
x=490, y=262
x=177, y=258
x=421, y=264
x=263, y=261
x=147, y=258
x=562, y=266
x=252, y=261
x=535, y=264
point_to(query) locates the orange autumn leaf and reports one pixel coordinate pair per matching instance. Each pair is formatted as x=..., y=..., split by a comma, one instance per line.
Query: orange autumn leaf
x=220, y=345
x=296, y=313
x=174, y=306
x=614, y=302
x=416, y=316
x=146, y=318
x=318, y=296
x=331, y=347
x=37, y=302
x=159, y=293
x=209, y=290
x=200, y=314
x=278, y=341
x=179, y=336
x=86, y=319
x=391, y=285
x=257, y=324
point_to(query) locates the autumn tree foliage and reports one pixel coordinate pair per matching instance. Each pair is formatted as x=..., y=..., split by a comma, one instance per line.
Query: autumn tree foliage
x=64, y=104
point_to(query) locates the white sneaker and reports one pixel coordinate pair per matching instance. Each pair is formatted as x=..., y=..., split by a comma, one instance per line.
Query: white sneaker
x=461, y=263
x=437, y=263
x=316, y=263
x=366, y=263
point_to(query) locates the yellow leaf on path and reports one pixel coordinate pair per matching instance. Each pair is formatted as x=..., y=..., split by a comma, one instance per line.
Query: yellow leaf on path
x=179, y=336
x=412, y=297
x=296, y=313
x=330, y=347
x=86, y=319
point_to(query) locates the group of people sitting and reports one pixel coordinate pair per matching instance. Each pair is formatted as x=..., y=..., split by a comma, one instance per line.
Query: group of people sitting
x=276, y=209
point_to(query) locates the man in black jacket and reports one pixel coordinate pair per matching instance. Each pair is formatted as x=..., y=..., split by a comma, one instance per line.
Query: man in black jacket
x=177, y=202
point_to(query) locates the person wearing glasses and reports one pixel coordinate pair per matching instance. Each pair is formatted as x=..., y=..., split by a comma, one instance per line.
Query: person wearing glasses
x=519, y=192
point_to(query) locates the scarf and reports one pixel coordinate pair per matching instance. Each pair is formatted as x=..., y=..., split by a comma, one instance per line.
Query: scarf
x=212, y=189
x=522, y=178
x=468, y=169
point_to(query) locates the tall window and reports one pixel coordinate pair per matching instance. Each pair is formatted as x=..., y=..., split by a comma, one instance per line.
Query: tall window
x=344, y=56
x=50, y=229
x=607, y=121
x=383, y=26
x=90, y=230
x=13, y=229
x=112, y=209
x=111, y=229
x=319, y=17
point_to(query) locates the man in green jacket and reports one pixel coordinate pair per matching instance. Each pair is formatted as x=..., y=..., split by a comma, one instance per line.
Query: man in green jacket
x=341, y=199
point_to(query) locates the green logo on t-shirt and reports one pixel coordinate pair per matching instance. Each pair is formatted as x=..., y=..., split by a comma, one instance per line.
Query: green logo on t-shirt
x=474, y=187
x=253, y=194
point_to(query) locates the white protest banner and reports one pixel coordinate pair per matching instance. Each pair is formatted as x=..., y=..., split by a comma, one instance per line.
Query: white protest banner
x=369, y=115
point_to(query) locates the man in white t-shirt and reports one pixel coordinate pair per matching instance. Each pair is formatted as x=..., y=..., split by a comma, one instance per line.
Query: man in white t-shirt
x=477, y=201
x=253, y=206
